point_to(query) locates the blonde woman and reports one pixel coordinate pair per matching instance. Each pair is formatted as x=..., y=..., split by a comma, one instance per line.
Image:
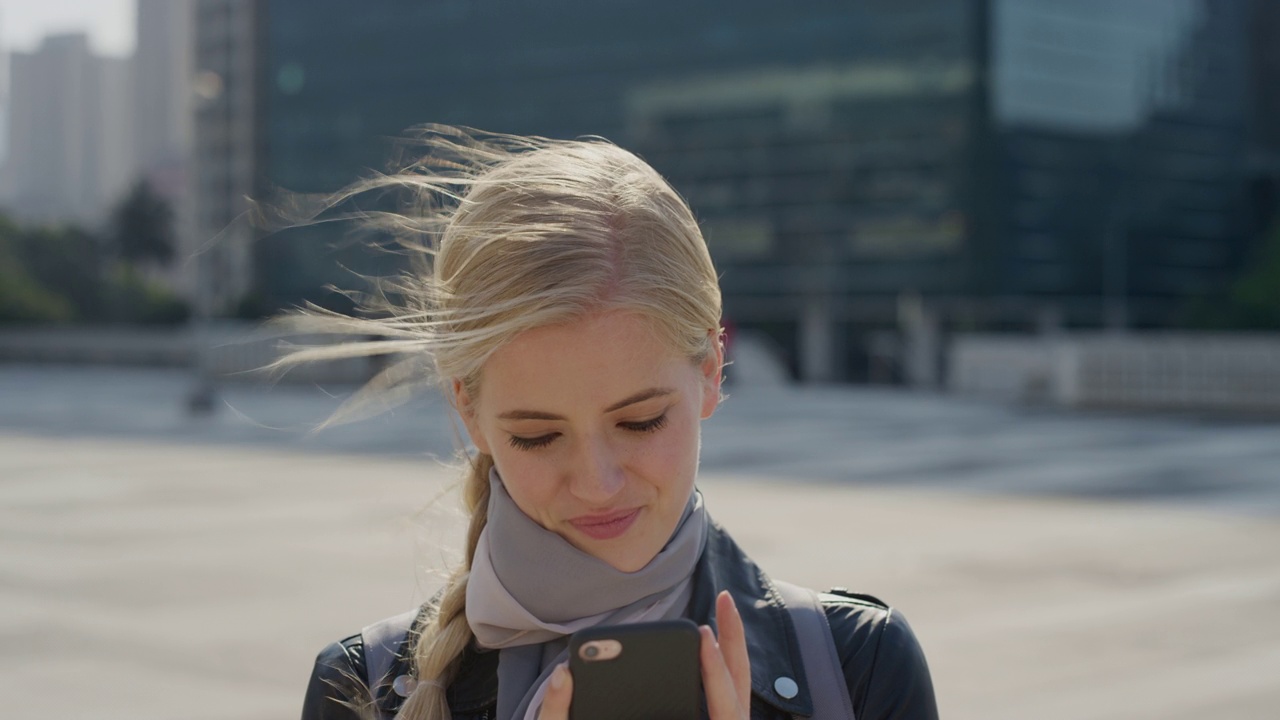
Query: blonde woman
x=569, y=309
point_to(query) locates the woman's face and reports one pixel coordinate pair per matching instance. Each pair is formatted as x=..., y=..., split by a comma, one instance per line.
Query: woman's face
x=594, y=428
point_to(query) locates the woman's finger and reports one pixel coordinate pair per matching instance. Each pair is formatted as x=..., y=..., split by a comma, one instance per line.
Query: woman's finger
x=555, y=703
x=733, y=646
x=717, y=684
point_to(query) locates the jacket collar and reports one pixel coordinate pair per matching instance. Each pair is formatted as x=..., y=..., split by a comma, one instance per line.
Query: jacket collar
x=771, y=638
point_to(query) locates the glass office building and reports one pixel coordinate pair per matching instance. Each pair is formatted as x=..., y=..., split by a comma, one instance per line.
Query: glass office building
x=1121, y=132
x=989, y=156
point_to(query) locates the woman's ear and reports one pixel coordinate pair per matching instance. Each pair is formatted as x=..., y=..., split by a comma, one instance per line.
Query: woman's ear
x=465, y=406
x=712, y=367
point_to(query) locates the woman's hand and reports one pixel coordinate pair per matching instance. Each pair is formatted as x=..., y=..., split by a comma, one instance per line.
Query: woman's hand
x=555, y=703
x=726, y=671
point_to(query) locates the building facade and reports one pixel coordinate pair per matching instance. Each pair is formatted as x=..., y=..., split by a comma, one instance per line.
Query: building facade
x=1121, y=134
x=162, y=96
x=69, y=157
x=163, y=123
x=858, y=167
x=226, y=153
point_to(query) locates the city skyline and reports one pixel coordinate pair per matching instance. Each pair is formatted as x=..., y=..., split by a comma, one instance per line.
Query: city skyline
x=108, y=23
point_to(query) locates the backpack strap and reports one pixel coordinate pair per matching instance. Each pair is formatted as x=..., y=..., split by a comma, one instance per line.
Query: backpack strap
x=382, y=643
x=827, y=686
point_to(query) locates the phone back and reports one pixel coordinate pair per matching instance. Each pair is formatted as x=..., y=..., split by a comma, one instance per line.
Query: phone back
x=654, y=676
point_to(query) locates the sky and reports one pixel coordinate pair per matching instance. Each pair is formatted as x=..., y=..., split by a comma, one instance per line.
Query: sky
x=109, y=23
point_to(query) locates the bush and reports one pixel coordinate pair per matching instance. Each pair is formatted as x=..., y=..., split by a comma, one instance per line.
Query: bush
x=67, y=262
x=1252, y=302
x=1256, y=296
x=24, y=300
x=252, y=306
x=132, y=298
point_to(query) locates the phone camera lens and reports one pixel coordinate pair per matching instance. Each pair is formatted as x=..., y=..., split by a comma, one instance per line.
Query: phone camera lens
x=590, y=651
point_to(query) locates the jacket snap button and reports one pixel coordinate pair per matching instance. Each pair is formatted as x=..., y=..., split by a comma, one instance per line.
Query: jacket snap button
x=404, y=685
x=786, y=687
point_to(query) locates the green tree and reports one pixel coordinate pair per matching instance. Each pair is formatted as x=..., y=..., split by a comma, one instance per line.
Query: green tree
x=1256, y=296
x=22, y=297
x=68, y=261
x=141, y=229
x=129, y=297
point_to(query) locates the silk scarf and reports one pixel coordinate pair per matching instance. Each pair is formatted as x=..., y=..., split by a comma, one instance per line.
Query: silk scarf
x=529, y=589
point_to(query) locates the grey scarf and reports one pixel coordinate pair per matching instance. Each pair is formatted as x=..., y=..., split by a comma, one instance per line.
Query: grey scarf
x=529, y=589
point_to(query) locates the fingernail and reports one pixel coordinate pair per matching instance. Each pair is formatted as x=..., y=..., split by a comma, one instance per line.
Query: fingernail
x=557, y=678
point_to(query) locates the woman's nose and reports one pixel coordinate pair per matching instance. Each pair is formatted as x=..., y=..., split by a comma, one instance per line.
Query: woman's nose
x=598, y=474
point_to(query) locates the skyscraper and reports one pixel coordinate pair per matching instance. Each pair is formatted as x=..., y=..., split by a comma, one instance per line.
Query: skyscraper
x=162, y=116
x=162, y=97
x=226, y=151
x=70, y=153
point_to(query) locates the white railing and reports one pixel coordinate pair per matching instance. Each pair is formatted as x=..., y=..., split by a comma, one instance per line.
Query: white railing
x=1157, y=371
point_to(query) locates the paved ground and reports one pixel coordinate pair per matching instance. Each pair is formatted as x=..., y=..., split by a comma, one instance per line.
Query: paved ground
x=842, y=435
x=1055, y=566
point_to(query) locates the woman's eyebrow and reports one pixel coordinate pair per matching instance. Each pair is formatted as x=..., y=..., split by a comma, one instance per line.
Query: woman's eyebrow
x=640, y=397
x=529, y=415
x=630, y=400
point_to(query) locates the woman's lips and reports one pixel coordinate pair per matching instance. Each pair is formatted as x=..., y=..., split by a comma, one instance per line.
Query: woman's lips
x=607, y=526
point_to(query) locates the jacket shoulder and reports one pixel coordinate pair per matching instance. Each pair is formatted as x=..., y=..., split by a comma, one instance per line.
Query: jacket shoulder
x=883, y=662
x=840, y=594
x=337, y=690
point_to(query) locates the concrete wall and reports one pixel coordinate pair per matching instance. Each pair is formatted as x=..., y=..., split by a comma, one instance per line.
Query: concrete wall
x=1166, y=371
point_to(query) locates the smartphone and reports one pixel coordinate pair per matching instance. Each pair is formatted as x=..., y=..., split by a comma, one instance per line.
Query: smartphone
x=640, y=671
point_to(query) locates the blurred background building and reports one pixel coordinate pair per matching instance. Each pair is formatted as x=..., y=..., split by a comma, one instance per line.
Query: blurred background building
x=859, y=167
x=82, y=127
x=163, y=123
x=228, y=55
x=162, y=95
x=69, y=151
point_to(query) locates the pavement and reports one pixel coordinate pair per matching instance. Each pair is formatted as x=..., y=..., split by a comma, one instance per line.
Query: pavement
x=154, y=565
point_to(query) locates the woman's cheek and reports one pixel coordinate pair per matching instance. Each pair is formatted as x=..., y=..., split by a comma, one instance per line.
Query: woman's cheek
x=671, y=451
x=526, y=480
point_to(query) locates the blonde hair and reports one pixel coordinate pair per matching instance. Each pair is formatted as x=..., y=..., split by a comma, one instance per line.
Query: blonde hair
x=508, y=234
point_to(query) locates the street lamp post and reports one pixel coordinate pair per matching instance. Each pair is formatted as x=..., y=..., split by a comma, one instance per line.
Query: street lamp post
x=202, y=398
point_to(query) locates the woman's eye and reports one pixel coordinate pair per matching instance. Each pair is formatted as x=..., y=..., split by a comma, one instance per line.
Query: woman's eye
x=523, y=443
x=653, y=425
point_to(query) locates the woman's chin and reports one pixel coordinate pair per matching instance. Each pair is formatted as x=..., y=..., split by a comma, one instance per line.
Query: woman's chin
x=623, y=554
x=628, y=563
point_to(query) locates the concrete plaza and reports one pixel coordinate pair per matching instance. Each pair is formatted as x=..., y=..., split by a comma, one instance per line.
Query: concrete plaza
x=1054, y=566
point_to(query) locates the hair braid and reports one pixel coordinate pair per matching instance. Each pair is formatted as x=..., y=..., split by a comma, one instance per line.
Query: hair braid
x=440, y=647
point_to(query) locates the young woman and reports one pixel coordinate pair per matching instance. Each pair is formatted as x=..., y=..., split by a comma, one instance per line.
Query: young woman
x=571, y=312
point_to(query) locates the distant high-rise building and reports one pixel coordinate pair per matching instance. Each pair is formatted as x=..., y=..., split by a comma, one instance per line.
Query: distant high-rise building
x=163, y=123
x=69, y=153
x=225, y=151
x=4, y=109
x=162, y=98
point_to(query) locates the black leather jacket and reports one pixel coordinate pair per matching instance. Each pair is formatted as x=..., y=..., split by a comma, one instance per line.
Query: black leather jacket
x=882, y=661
